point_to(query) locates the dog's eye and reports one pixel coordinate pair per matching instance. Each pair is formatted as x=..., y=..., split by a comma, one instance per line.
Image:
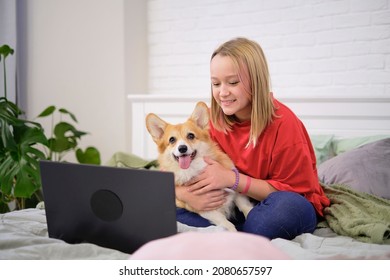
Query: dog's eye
x=190, y=136
x=172, y=140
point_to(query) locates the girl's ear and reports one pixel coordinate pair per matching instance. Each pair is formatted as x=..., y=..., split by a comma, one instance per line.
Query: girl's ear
x=201, y=115
x=155, y=126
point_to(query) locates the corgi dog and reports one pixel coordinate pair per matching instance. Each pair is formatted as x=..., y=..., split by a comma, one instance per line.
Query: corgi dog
x=181, y=149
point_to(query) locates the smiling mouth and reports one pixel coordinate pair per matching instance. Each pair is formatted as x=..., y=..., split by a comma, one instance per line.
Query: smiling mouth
x=185, y=160
x=227, y=102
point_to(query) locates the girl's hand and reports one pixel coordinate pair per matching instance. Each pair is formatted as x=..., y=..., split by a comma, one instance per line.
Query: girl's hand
x=206, y=201
x=213, y=177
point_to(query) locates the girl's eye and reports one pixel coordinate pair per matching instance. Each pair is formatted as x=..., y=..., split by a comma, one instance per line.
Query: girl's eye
x=230, y=83
x=190, y=136
x=172, y=140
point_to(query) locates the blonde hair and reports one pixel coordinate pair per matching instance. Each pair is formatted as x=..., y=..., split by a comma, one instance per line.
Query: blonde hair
x=247, y=53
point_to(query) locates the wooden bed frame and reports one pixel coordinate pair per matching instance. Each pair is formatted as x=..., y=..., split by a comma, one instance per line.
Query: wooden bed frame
x=342, y=117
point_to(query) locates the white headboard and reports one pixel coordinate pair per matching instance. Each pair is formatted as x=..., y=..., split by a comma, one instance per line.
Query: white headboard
x=342, y=117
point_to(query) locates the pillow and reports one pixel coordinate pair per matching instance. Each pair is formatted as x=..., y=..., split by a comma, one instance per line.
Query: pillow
x=365, y=169
x=322, y=145
x=210, y=246
x=346, y=144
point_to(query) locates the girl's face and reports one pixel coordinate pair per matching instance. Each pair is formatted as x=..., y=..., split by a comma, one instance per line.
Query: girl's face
x=229, y=91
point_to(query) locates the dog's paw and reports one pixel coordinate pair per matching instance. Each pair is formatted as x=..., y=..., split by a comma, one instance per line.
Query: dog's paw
x=230, y=227
x=246, y=211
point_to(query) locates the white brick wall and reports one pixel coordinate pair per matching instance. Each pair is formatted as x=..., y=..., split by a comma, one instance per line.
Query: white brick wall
x=314, y=47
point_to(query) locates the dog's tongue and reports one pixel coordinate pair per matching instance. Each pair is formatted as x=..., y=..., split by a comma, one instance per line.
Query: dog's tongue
x=184, y=162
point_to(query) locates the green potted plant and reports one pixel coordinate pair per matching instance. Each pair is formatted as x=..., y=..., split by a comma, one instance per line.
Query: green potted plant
x=23, y=143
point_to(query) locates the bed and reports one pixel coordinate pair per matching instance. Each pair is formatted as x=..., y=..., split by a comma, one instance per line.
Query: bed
x=351, y=138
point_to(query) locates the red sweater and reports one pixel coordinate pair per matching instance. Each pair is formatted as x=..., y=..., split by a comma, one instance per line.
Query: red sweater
x=283, y=156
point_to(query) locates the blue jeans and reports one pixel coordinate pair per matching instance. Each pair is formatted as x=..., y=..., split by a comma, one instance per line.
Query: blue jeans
x=281, y=215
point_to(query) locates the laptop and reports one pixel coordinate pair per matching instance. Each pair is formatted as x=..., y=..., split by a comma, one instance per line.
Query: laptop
x=117, y=208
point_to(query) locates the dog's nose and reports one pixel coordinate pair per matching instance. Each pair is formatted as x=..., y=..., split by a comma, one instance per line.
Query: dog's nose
x=182, y=149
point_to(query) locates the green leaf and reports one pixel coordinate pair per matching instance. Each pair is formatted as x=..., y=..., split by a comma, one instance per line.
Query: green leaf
x=29, y=135
x=27, y=181
x=20, y=178
x=59, y=145
x=37, y=153
x=90, y=156
x=19, y=174
x=7, y=140
x=8, y=171
x=66, y=130
x=8, y=108
x=47, y=112
x=64, y=111
x=5, y=50
x=62, y=129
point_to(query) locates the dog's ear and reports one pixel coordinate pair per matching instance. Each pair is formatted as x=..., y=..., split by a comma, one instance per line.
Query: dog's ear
x=155, y=126
x=200, y=115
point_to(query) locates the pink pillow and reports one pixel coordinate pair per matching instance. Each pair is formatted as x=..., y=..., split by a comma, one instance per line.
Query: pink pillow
x=210, y=246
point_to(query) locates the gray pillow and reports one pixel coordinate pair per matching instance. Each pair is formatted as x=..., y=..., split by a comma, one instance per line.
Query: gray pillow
x=365, y=169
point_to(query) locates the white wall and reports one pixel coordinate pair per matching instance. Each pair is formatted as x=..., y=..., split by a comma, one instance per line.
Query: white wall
x=314, y=47
x=136, y=46
x=87, y=55
x=75, y=60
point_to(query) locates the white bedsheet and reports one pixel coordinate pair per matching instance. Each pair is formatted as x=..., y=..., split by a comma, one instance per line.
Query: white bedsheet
x=325, y=244
x=23, y=235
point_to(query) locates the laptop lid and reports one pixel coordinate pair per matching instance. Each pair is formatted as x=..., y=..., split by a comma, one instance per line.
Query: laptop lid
x=118, y=208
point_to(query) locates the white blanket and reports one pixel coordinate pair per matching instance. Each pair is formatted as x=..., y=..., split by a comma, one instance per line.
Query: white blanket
x=325, y=244
x=23, y=235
